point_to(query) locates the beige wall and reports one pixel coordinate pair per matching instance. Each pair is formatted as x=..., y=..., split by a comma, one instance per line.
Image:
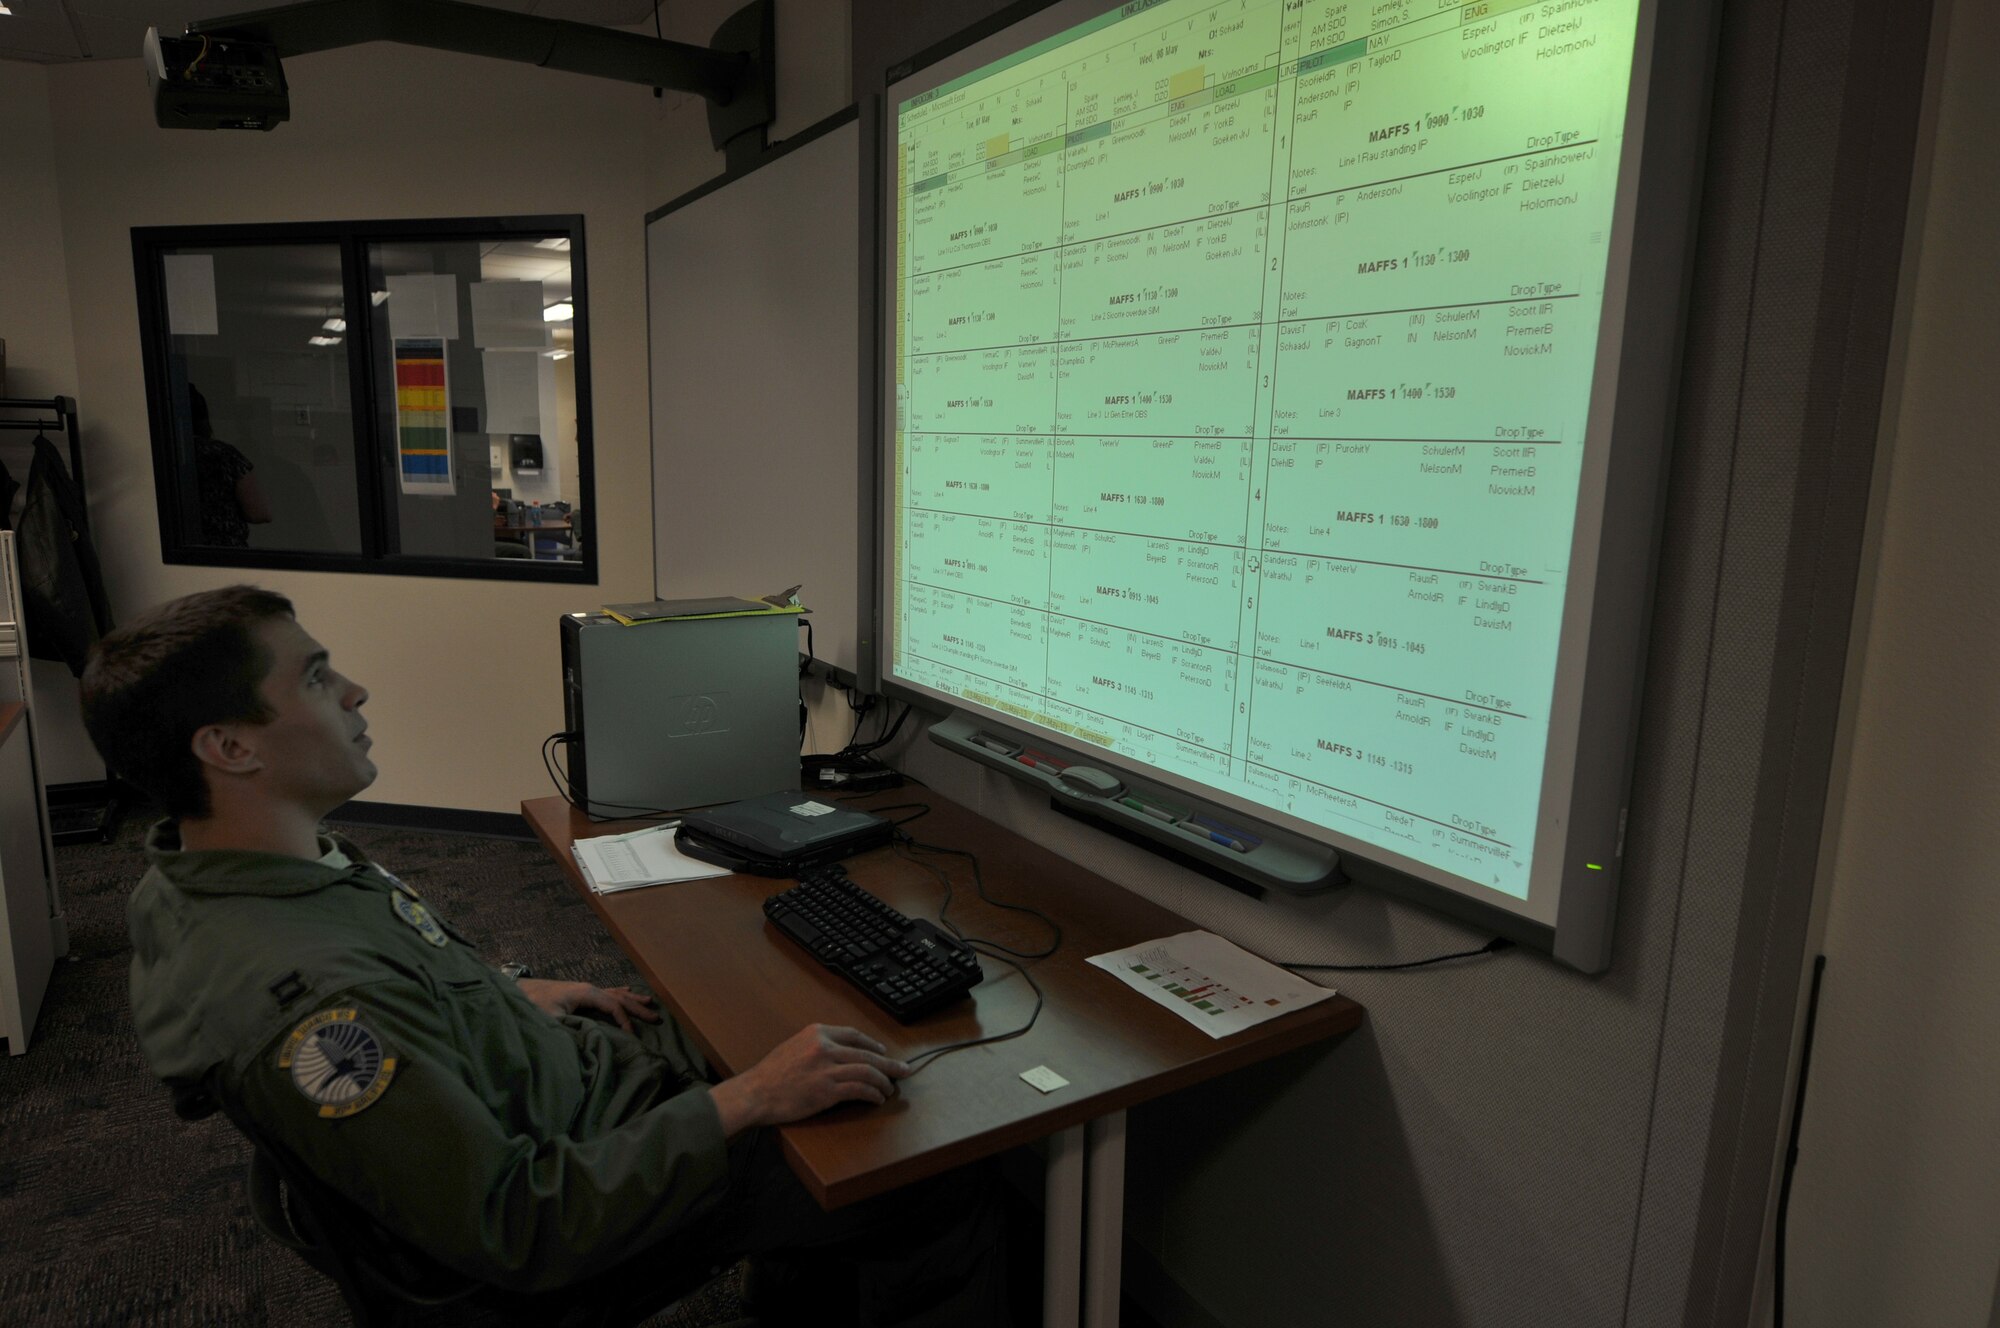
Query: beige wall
x=1896, y=1210
x=41, y=358
x=464, y=673
x=814, y=82
x=34, y=307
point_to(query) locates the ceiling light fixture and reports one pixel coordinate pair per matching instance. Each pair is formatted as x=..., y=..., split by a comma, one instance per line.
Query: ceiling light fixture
x=553, y=242
x=323, y=341
x=559, y=312
x=376, y=297
x=335, y=324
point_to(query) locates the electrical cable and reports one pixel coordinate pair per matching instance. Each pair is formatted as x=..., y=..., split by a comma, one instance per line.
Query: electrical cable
x=861, y=704
x=1792, y=1148
x=195, y=63
x=549, y=764
x=907, y=844
x=1494, y=946
x=987, y=948
x=658, y=35
x=886, y=738
x=627, y=812
x=852, y=764
x=925, y=1058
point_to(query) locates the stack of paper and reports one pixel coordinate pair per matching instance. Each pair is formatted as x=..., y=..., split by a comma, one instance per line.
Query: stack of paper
x=639, y=857
x=665, y=610
x=1218, y=987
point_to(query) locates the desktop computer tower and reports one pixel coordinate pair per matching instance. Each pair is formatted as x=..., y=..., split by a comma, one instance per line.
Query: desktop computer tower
x=681, y=713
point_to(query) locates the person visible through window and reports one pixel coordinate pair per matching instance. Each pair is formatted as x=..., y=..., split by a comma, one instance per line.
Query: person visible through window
x=231, y=499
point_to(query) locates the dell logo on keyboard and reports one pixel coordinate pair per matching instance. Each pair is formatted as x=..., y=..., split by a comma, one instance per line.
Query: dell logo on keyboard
x=927, y=942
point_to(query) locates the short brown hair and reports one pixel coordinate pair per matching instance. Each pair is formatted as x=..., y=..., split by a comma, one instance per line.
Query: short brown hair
x=152, y=684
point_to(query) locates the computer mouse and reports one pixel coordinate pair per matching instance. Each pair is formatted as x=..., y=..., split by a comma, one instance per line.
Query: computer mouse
x=1091, y=780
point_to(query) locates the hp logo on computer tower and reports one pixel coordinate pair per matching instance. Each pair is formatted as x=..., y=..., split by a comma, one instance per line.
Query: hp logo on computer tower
x=704, y=712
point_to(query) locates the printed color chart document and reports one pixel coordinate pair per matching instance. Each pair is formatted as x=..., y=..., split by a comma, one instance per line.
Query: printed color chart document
x=1218, y=987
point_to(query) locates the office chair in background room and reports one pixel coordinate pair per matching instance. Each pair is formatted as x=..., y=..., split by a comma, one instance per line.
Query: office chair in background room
x=564, y=544
x=507, y=543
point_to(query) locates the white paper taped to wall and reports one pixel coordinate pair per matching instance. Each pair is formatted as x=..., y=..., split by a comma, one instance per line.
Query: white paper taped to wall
x=513, y=395
x=423, y=304
x=190, y=294
x=508, y=315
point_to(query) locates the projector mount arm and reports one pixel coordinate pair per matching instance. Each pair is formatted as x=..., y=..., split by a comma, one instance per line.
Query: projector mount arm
x=735, y=75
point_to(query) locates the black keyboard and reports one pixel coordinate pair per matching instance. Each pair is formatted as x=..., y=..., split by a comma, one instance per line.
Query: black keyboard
x=905, y=965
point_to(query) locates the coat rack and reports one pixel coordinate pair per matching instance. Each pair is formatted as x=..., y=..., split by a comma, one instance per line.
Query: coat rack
x=58, y=416
x=80, y=814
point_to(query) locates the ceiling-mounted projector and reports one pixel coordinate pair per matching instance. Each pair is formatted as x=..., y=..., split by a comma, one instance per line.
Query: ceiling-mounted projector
x=204, y=82
x=224, y=73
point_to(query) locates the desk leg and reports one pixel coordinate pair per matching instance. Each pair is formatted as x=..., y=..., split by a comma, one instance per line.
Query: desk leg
x=1104, y=1236
x=1062, y=1228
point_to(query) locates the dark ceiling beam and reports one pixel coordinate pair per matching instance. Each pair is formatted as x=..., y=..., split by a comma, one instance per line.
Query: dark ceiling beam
x=579, y=48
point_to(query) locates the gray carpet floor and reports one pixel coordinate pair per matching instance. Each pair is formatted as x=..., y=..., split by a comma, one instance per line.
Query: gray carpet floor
x=115, y=1212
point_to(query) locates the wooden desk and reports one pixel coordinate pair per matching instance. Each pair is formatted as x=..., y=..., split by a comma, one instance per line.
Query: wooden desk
x=553, y=526
x=740, y=989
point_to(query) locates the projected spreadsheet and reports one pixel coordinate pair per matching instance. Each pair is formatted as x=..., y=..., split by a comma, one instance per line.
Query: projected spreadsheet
x=1242, y=355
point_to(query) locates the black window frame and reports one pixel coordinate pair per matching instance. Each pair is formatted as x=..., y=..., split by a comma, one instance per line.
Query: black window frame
x=374, y=469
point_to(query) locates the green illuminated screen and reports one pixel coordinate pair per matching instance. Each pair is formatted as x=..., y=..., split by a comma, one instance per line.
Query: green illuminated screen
x=1242, y=355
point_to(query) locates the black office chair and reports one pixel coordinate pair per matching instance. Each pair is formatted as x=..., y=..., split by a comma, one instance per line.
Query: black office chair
x=561, y=544
x=386, y=1283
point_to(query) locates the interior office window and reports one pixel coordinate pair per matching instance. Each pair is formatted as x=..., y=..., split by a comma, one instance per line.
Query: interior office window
x=397, y=397
x=260, y=451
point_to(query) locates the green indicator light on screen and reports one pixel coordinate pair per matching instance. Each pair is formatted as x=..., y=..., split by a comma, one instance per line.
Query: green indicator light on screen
x=1593, y=866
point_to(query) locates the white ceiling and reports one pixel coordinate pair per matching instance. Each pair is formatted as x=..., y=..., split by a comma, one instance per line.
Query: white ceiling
x=60, y=31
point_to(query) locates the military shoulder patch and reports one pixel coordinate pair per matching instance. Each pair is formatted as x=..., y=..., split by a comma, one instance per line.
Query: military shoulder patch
x=411, y=911
x=337, y=1063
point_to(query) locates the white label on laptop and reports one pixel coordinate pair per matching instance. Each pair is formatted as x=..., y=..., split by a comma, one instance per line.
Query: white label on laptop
x=1044, y=1078
x=811, y=809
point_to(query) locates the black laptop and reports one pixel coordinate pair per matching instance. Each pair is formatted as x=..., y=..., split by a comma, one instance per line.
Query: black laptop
x=779, y=834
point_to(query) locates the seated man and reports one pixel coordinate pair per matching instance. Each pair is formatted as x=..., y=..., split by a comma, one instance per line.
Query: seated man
x=480, y=1119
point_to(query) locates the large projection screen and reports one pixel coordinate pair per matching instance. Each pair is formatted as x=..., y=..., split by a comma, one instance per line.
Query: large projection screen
x=1255, y=418
x=754, y=314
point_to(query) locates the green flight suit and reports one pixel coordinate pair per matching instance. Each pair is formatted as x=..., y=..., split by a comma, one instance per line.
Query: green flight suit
x=363, y=1033
x=366, y=1036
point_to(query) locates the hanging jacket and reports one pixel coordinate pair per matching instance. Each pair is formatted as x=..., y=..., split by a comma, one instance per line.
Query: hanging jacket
x=7, y=491
x=62, y=587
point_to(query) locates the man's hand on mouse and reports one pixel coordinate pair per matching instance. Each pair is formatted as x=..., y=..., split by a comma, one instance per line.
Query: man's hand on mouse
x=819, y=1066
